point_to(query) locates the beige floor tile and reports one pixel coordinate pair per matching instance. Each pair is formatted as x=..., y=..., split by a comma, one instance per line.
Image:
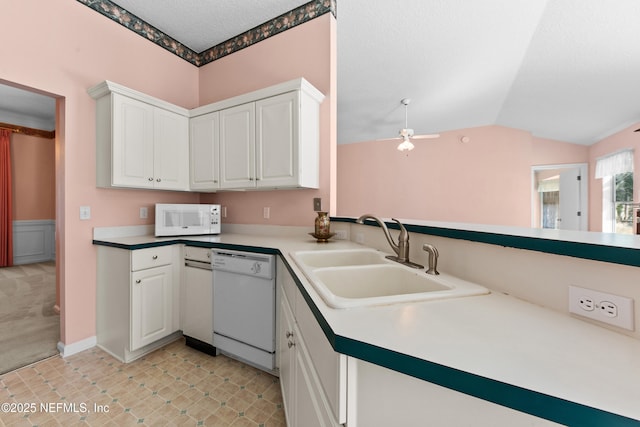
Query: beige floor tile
x=173, y=386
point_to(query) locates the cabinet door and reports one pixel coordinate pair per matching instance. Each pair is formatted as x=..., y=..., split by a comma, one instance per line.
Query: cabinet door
x=151, y=305
x=286, y=357
x=170, y=150
x=204, y=151
x=132, y=150
x=198, y=304
x=277, y=141
x=237, y=146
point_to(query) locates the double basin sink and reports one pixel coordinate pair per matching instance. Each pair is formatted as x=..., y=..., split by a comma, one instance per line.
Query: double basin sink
x=347, y=278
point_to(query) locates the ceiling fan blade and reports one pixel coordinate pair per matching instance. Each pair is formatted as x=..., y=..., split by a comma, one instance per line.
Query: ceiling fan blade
x=397, y=138
x=431, y=136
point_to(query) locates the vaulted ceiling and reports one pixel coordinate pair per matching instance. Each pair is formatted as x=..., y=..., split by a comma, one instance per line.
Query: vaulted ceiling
x=562, y=69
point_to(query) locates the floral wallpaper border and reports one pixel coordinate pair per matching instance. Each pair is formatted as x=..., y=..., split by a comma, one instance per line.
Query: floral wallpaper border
x=287, y=20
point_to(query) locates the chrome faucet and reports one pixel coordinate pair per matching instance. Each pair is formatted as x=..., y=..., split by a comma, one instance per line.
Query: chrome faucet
x=433, y=258
x=401, y=248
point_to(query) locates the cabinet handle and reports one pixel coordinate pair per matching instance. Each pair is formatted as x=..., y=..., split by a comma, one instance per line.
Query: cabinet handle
x=150, y=178
x=155, y=257
x=290, y=344
x=215, y=181
x=289, y=334
x=138, y=281
x=250, y=179
x=158, y=179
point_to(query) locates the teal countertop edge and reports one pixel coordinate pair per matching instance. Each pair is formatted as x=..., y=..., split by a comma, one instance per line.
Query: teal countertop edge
x=596, y=252
x=520, y=399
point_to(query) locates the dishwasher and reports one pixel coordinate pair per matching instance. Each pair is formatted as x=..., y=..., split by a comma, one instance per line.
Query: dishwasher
x=244, y=304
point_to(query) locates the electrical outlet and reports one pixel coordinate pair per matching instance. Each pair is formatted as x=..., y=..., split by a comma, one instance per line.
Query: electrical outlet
x=608, y=308
x=266, y=213
x=317, y=204
x=224, y=212
x=360, y=238
x=144, y=212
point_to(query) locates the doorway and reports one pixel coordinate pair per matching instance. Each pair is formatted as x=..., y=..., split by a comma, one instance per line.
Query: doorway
x=29, y=311
x=559, y=197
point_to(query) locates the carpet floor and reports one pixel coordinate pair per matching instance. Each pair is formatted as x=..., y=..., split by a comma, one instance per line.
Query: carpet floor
x=29, y=326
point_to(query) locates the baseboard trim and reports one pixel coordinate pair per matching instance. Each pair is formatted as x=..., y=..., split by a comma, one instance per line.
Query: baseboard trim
x=76, y=347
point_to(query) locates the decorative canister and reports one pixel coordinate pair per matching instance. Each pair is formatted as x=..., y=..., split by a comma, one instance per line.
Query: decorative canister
x=323, y=227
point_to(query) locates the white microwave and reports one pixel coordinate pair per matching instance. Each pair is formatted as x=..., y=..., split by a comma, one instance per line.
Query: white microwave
x=187, y=219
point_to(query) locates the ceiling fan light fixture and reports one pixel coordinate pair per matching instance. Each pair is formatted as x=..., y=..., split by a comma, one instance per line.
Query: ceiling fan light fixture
x=405, y=145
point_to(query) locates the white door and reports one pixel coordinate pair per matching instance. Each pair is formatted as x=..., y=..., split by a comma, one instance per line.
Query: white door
x=570, y=210
x=204, y=151
x=132, y=162
x=151, y=305
x=277, y=140
x=170, y=151
x=237, y=147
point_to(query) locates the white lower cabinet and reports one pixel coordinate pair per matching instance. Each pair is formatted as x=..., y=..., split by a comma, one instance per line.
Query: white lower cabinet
x=323, y=388
x=197, y=295
x=305, y=402
x=151, y=305
x=138, y=294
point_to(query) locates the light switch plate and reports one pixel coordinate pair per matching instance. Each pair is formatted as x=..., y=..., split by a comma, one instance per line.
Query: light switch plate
x=317, y=204
x=85, y=212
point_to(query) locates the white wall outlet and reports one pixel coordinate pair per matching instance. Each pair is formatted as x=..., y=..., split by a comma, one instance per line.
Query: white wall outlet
x=144, y=212
x=608, y=308
x=224, y=212
x=85, y=212
x=360, y=238
x=341, y=235
x=266, y=213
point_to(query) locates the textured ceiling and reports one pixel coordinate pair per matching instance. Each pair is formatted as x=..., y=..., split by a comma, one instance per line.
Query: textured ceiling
x=562, y=69
x=201, y=24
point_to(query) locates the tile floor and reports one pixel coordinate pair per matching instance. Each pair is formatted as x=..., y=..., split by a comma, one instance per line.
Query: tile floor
x=173, y=386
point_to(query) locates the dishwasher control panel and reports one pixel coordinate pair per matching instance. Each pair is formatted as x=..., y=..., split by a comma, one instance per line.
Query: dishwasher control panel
x=252, y=264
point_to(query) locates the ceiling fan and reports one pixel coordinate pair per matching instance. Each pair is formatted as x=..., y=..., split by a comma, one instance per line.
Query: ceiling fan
x=406, y=134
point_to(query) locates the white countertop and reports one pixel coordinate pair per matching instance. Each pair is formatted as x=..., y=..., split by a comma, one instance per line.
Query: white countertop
x=493, y=336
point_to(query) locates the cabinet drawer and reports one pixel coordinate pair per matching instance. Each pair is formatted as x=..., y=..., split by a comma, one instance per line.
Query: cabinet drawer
x=151, y=257
x=198, y=254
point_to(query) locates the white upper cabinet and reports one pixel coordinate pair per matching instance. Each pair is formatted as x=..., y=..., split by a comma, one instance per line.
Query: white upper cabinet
x=237, y=147
x=266, y=139
x=204, y=150
x=277, y=141
x=269, y=139
x=141, y=142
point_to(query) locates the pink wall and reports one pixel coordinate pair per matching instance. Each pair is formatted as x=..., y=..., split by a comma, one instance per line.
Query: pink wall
x=33, y=177
x=626, y=138
x=305, y=51
x=62, y=48
x=442, y=179
x=486, y=180
x=58, y=58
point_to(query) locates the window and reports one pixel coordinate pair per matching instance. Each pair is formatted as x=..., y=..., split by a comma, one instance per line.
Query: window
x=616, y=171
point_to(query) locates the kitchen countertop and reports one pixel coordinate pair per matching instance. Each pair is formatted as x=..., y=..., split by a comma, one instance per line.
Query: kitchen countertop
x=494, y=346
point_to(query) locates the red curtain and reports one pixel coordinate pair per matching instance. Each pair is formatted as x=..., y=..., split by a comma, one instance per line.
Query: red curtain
x=6, y=220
